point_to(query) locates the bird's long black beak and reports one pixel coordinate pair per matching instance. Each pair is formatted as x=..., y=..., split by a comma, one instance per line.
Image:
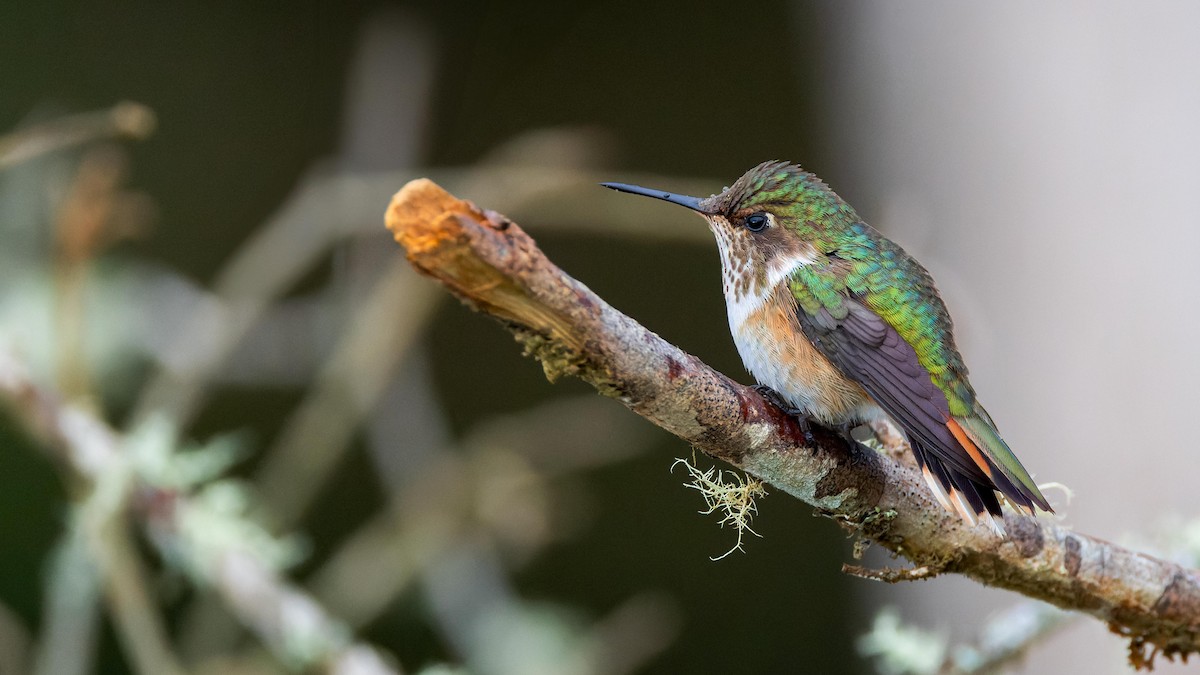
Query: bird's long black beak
x=693, y=203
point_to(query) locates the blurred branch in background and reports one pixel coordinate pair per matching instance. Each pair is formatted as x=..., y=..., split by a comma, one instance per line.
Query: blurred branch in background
x=315, y=438
x=125, y=120
x=497, y=480
x=899, y=649
x=71, y=608
x=96, y=213
x=488, y=261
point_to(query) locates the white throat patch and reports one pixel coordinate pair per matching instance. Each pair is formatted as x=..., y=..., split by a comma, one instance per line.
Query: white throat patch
x=734, y=268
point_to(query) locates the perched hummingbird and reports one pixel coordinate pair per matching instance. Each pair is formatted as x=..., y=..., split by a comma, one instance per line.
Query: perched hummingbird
x=839, y=324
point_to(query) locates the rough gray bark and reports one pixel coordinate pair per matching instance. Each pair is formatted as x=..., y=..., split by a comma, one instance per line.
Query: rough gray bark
x=494, y=266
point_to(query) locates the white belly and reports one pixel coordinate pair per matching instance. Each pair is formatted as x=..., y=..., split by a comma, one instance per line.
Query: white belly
x=765, y=359
x=779, y=356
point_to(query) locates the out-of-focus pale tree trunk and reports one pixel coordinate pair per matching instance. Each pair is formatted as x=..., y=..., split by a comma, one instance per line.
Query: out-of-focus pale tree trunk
x=1041, y=160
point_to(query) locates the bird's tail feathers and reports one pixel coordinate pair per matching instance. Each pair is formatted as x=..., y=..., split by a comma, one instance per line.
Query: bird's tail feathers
x=957, y=492
x=983, y=443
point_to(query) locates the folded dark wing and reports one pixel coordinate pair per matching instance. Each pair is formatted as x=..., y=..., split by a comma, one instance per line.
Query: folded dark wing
x=869, y=351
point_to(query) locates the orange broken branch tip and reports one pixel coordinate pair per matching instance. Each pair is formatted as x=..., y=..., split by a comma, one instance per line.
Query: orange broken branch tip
x=420, y=214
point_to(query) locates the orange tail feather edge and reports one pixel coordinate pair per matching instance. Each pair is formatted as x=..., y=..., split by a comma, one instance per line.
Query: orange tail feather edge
x=969, y=445
x=952, y=499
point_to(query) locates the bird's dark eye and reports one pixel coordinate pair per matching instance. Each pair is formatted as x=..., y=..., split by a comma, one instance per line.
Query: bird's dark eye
x=756, y=222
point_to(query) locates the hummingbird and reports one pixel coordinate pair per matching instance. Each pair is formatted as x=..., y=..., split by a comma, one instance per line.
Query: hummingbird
x=839, y=325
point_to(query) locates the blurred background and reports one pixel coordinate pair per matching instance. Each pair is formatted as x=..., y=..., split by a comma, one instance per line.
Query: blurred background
x=330, y=464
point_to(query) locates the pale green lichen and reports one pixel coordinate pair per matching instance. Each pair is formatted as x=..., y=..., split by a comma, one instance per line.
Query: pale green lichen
x=159, y=461
x=217, y=516
x=556, y=358
x=732, y=497
x=902, y=650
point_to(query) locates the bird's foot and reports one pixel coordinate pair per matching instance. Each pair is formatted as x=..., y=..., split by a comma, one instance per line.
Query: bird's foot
x=802, y=419
x=778, y=401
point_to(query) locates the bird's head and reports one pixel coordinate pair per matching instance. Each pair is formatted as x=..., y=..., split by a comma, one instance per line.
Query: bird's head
x=775, y=217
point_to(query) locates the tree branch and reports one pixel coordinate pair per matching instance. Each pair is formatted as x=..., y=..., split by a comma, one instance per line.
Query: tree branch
x=287, y=619
x=494, y=266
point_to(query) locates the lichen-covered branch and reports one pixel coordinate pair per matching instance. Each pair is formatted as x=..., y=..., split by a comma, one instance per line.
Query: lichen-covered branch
x=286, y=618
x=1006, y=638
x=493, y=265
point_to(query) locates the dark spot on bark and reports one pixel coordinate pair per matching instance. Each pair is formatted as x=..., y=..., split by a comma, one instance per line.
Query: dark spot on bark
x=744, y=408
x=674, y=369
x=1181, y=599
x=857, y=468
x=1025, y=535
x=791, y=427
x=584, y=300
x=1072, y=558
x=768, y=411
x=756, y=408
x=497, y=221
